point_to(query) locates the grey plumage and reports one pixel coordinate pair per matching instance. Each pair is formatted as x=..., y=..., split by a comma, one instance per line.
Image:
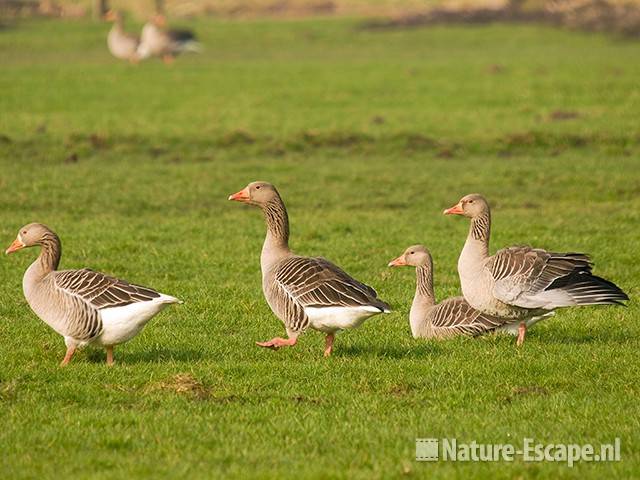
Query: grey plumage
x=301, y=282
x=526, y=272
x=157, y=41
x=100, y=290
x=304, y=291
x=454, y=316
x=451, y=317
x=121, y=43
x=523, y=282
x=83, y=306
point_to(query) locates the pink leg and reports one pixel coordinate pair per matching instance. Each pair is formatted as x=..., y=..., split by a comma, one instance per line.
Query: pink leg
x=278, y=342
x=329, y=344
x=70, y=351
x=522, y=331
x=109, y=350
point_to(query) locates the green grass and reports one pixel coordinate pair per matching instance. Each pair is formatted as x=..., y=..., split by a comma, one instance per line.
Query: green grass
x=368, y=137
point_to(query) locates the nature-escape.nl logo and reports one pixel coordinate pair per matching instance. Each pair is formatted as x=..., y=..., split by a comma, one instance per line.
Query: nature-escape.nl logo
x=450, y=450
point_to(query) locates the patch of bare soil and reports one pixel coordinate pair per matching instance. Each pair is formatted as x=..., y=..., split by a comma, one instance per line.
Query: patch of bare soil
x=278, y=9
x=517, y=392
x=619, y=17
x=559, y=115
x=183, y=384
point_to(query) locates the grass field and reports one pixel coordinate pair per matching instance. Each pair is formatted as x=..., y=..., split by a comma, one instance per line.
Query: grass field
x=368, y=135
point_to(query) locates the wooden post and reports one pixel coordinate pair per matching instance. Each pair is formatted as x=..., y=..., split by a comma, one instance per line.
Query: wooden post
x=99, y=9
x=159, y=6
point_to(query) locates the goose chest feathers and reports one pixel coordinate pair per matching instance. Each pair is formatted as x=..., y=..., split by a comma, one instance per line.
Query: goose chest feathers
x=302, y=291
x=122, y=45
x=84, y=306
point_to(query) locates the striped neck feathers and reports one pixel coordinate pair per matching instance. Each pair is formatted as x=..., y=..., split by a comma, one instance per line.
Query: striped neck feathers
x=277, y=220
x=423, y=301
x=424, y=284
x=479, y=234
x=481, y=227
x=49, y=258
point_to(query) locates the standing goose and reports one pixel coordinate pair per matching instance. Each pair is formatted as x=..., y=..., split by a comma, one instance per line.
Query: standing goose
x=523, y=283
x=304, y=291
x=156, y=41
x=83, y=306
x=121, y=44
x=449, y=318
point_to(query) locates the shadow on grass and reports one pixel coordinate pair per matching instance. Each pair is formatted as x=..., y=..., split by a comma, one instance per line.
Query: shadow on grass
x=582, y=338
x=431, y=349
x=422, y=349
x=158, y=355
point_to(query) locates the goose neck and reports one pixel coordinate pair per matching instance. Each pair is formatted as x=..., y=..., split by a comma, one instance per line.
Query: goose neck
x=276, y=242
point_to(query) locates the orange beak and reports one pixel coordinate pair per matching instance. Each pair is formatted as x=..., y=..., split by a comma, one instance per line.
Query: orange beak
x=398, y=262
x=160, y=20
x=241, y=196
x=15, y=246
x=455, y=210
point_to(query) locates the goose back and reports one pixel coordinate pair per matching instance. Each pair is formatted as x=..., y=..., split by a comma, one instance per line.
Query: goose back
x=299, y=286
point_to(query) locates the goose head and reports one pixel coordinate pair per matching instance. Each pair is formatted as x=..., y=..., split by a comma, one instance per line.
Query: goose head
x=470, y=206
x=159, y=20
x=29, y=236
x=256, y=193
x=113, y=16
x=414, y=256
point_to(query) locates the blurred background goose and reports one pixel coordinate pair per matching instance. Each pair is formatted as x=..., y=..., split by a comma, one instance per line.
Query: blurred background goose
x=304, y=291
x=83, y=306
x=122, y=44
x=451, y=317
x=523, y=283
x=156, y=41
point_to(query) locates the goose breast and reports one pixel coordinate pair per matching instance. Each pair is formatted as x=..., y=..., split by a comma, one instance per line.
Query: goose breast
x=122, y=45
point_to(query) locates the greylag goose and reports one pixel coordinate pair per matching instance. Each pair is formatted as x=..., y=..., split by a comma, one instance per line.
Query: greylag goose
x=83, y=306
x=523, y=283
x=121, y=44
x=304, y=291
x=451, y=317
x=155, y=41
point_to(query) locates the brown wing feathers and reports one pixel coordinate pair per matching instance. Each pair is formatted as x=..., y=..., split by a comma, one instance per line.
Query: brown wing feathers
x=536, y=271
x=102, y=291
x=316, y=282
x=456, y=317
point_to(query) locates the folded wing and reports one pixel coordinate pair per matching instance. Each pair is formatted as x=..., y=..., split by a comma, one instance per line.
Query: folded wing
x=101, y=291
x=456, y=317
x=316, y=282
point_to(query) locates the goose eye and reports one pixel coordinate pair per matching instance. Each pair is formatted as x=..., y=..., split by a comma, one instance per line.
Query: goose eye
x=412, y=253
x=24, y=232
x=470, y=201
x=258, y=187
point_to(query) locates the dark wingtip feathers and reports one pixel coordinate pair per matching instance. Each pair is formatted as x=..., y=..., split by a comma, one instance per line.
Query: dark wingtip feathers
x=588, y=289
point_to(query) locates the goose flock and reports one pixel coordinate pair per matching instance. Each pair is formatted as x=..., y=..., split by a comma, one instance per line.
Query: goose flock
x=506, y=292
x=155, y=40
